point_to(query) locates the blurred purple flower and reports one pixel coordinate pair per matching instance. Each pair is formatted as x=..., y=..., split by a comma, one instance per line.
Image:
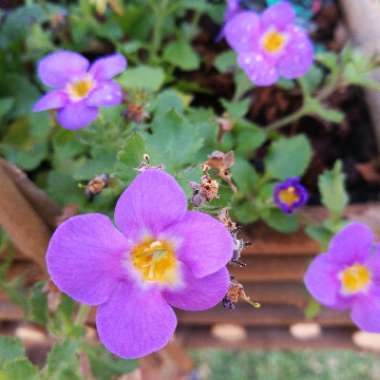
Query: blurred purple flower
x=348, y=276
x=160, y=256
x=270, y=45
x=78, y=89
x=290, y=195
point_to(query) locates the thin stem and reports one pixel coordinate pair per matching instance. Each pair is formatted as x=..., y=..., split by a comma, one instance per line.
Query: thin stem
x=82, y=315
x=287, y=120
x=160, y=11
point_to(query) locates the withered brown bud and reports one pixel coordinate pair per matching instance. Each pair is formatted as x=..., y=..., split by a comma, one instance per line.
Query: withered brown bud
x=224, y=125
x=236, y=293
x=225, y=218
x=136, y=113
x=206, y=191
x=222, y=163
x=97, y=185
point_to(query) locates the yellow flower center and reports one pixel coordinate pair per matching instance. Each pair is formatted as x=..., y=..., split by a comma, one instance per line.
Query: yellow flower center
x=81, y=88
x=273, y=41
x=289, y=196
x=155, y=260
x=354, y=279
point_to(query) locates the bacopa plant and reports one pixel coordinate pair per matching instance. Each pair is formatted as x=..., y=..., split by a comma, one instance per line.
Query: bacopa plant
x=157, y=167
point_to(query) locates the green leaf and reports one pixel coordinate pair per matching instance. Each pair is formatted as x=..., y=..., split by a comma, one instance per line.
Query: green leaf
x=19, y=369
x=319, y=233
x=130, y=157
x=10, y=349
x=180, y=53
x=143, y=78
x=38, y=306
x=313, y=308
x=288, y=157
x=245, y=212
x=236, y=109
x=249, y=139
x=242, y=84
x=279, y=221
x=244, y=175
x=62, y=357
x=5, y=105
x=316, y=107
x=225, y=61
x=332, y=189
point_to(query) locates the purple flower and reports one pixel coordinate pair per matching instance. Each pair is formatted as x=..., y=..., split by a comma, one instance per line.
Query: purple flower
x=348, y=276
x=290, y=195
x=77, y=89
x=270, y=45
x=159, y=256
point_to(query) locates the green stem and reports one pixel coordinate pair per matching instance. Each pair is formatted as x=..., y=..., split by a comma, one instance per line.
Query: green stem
x=160, y=11
x=82, y=315
x=287, y=120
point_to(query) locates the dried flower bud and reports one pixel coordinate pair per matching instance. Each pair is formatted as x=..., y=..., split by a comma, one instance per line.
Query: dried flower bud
x=224, y=217
x=136, y=113
x=53, y=296
x=97, y=185
x=206, y=191
x=224, y=125
x=236, y=293
x=145, y=164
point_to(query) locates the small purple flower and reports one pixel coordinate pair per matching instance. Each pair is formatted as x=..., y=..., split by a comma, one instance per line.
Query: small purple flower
x=270, y=45
x=290, y=195
x=348, y=276
x=159, y=256
x=78, y=89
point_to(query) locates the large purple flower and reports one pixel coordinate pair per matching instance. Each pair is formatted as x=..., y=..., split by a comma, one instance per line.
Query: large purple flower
x=348, y=276
x=160, y=256
x=270, y=45
x=78, y=89
x=290, y=195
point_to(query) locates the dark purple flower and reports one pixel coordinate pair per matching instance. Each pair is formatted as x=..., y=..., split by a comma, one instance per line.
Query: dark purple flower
x=157, y=257
x=348, y=276
x=290, y=195
x=78, y=89
x=270, y=45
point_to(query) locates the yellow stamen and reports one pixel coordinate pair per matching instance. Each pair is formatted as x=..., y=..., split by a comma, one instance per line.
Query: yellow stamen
x=289, y=196
x=273, y=41
x=354, y=279
x=155, y=260
x=81, y=88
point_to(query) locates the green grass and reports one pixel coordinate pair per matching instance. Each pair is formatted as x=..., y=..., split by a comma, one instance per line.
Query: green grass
x=332, y=365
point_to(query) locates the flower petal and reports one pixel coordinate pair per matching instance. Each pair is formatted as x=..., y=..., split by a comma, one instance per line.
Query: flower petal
x=299, y=55
x=83, y=258
x=366, y=314
x=135, y=322
x=205, y=245
x=107, y=93
x=199, y=293
x=153, y=201
x=352, y=244
x=52, y=100
x=76, y=115
x=242, y=31
x=259, y=68
x=56, y=69
x=321, y=280
x=107, y=67
x=278, y=15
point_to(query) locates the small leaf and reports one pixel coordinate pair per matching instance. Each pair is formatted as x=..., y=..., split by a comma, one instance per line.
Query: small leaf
x=19, y=369
x=10, y=349
x=325, y=113
x=236, y=109
x=313, y=308
x=143, y=78
x=38, y=308
x=180, y=53
x=244, y=176
x=61, y=357
x=225, y=61
x=288, y=157
x=279, y=221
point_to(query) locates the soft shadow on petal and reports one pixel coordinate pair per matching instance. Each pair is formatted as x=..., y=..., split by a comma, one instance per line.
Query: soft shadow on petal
x=84, y=257
x=366, y=314
x=135, y=322
x=278, y=15
x=56, y=69
x=153, y=201
x=107, y=93
x=321, y=280
x=76, y=116
x=199, y=293
x=52, y=100
x=242, y=31
x=205, y=245
x=107, y=67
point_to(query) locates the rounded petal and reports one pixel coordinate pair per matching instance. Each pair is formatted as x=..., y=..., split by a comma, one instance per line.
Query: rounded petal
x=366, y=314
x=52, y=100
x=107, y=67
x=56, y=69
x=135, y=322
x=107, y=93
x=321, y=280
x=278, y=15
x=299, y=54
x=242, y=31
x=153, y=201
x=204, y=244
x=259, y=69
x=199, y=293
x=76, y=115
x=84, y=258
x=352, y=244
